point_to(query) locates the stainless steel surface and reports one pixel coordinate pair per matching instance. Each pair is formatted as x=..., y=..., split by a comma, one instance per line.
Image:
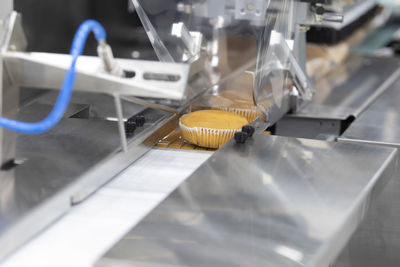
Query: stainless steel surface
x=380, y=123
x=6, y=7
x=351, y=88
x=377, y=242
x=318, y=129
x=44, y=70
x=333, y=17
x=81, y=236
x=11, y=37
x=274, y=201
x=341, y=97
x=67, y=164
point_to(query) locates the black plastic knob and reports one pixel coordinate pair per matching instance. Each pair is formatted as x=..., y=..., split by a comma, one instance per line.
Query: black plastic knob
x=250, y=130
x=241, y=137
x=319, y=10
x=139, y=120
x=130, y=127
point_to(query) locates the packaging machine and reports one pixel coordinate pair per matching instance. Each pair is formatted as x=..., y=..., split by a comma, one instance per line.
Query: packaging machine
x=272, y=201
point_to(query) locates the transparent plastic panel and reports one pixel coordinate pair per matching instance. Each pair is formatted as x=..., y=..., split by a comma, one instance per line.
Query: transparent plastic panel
x=173, y=25
x=240, y=39
x=272, y=82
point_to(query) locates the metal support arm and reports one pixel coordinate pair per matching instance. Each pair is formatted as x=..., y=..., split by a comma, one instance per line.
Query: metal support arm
x=147, y=79
x=150, y=79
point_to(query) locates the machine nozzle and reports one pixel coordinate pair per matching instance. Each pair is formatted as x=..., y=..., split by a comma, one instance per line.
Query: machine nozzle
x=109, y=64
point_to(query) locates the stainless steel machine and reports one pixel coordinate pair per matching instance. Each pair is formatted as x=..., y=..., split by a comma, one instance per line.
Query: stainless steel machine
x=44, y=174
x=273, y=201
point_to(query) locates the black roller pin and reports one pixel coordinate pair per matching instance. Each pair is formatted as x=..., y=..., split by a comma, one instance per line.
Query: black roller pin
x=139, y=120
x=130, y=127
x=241, y=137
x=250, y=130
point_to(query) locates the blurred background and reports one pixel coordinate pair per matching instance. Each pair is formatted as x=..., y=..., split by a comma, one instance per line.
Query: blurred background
x=50, y=25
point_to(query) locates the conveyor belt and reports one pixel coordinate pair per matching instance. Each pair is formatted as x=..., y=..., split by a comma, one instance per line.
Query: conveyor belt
x=175, y=140
x=80, y=237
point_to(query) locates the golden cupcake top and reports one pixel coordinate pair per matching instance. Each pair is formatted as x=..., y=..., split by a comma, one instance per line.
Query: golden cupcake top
x=214, y=119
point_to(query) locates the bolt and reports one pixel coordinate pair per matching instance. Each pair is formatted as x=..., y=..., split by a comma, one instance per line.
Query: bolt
x=130, y=127
x=250, y=130
x=139, y=120
x=241, y=137
x=304, y=28
x=135, y=54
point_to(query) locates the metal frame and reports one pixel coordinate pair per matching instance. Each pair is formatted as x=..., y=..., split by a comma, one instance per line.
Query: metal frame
x=55, y=196
x=11, y=37
x=376, y=242
x=6, y=7
x=363, y=80
x=55, y=192
x=45, y=70
x=151, y=79
x=155, y=80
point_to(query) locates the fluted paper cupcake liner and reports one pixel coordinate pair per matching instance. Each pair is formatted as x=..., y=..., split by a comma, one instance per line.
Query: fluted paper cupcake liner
x=249, y=113
x=207, y=137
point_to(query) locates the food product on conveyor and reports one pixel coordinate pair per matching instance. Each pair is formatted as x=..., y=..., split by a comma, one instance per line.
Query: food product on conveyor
x=242, y=104
x=211, y=128
x=239, y=102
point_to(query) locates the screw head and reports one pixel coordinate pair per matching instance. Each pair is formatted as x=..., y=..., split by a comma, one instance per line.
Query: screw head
x=130, y=127
x=140, y=120
x=250, y=6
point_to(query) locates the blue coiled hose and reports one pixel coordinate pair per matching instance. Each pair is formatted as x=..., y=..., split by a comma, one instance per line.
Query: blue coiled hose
x=64, y=96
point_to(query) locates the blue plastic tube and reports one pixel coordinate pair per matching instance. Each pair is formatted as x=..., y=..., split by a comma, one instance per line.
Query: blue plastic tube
x=66, y=90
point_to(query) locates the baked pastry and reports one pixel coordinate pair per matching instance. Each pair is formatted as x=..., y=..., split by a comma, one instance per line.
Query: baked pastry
x=211, y=128
x=250, y=113
x=237, y=102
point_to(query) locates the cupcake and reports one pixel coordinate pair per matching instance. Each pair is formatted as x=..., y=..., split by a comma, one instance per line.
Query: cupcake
x=236, y=102
x=210, y=128
x=250, y=113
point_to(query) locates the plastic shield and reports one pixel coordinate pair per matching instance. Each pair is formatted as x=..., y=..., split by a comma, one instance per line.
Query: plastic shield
x=249, y=69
